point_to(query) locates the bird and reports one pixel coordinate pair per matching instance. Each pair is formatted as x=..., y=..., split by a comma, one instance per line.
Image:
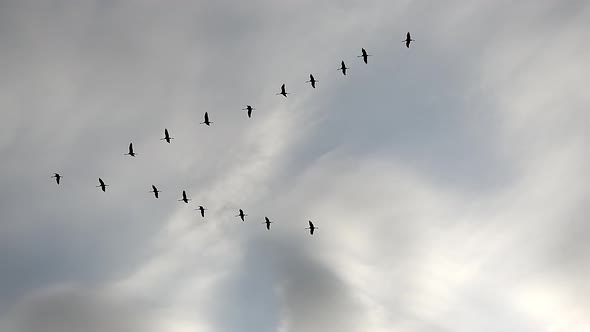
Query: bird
x=184, y=199
x=312, y=80
x=343, y=68
x=311, y=228
x=364, y=55
x=131, y=153
x=102, y=185
x=283, y=92
x=167, y=137
x=57, y=177
x=202, y=209
x=408, y=40
x=267, y=222
x=241, y=215
x=207, y=122
x=249, y=109
x=155, y=191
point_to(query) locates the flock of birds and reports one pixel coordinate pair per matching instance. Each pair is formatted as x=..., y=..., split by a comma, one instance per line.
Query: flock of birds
x=103, y=186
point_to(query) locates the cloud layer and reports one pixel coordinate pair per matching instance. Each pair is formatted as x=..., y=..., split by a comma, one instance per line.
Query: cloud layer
x=448, y=180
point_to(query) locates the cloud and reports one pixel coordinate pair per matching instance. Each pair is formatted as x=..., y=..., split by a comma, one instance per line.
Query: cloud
x=447, y=179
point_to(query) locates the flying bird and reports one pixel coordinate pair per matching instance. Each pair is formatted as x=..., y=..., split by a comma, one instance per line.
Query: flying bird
x=343, y=68
x=184, y=199
x=131, y=153
x=57, y=177
x=102, y=185
x=364, y=55
x=311, y=228
x=312, y=80
x=155, y=191
x=167, y=137
x=207, y=122
x=249, y=109
x=283, y=92
x=241, y=215
x=267, y=222
x=202, y=209
x=408, y=40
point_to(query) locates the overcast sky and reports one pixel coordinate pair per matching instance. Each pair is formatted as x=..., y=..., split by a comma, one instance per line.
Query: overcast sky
x=449, y=181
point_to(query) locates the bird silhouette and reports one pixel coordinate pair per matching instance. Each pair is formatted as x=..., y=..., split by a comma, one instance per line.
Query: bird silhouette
x=343, y=68
x=283, y=92
x=364, y=55
x=184, y=198
x=311, y=228
x=131, y=153
x=249, y=109
x=202, y=209
x=312, y=80
x=408, y=40
x=207, y=122
x=167, y=137
x=267, y=222
x=57, y=177
x=155, y=191
x=241, y=215
x=102, y=185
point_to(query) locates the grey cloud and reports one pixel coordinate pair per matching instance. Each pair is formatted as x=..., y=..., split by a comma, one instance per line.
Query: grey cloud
x=70, y=309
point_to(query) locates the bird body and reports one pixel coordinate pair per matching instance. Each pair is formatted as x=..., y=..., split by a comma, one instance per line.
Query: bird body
x=343, y=68
x=131, y=153
x=311, y=227
x=155, y=191
x=102, y=185
x=408, y=40
x=57, y=177
x=242, y=215
x=184, y=198
x=312, y=80
x=267, y=222
x=249, y=109
x=364, y=55
x=167, y=137
x=202, y=209
x=207, y=122
x=283, y=92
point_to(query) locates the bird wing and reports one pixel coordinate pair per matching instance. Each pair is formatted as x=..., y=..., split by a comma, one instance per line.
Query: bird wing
x=310, y=224
x=101, y=181
x=206, y=117
x=154, y=187
x=130, y=147
x=166, y=133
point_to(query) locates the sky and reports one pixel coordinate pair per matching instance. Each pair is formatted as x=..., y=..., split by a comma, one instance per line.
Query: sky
x=448, y=181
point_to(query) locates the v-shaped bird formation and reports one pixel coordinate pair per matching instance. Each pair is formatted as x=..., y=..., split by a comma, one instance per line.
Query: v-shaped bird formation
x=283, y=92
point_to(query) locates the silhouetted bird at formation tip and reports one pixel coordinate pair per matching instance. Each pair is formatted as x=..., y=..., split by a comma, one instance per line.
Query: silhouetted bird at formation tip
x=343, y=68
x=312, y=80
x=267, y=222
x=184, y=198
x=131, y=153
x=311, y=228
x=202, y=209
x=155, y=191
x=283, y=92
x=408, y=40
x=364, y=55
x=167, y=137
x=249, y=109
x=57, y=177
x=207, y=122
x=242, y=215
x=102, y=185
